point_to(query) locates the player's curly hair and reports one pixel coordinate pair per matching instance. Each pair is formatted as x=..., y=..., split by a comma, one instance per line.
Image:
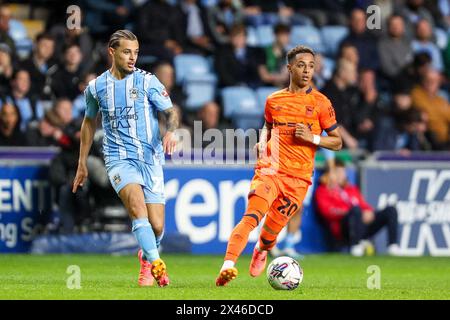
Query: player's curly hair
x=299, y=49
x=114, y=40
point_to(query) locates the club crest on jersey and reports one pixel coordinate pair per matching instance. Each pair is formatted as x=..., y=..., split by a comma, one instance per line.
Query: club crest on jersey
x=133, y=93
x=309, y=110
x=117, y=179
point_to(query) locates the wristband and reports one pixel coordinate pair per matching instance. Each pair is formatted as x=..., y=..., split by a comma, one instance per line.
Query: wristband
x=316, y=139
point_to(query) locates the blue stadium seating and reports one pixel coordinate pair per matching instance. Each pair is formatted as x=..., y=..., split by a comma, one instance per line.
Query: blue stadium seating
x=209, y=3
x=199, y=89
x=190, y=64
x=252, y=37
x=19, y=34
x=265, y=35
x=262, y=93
x=332, y=37
x=328, y=65
x=308, y=36
x=241, y=106
x=441, y=38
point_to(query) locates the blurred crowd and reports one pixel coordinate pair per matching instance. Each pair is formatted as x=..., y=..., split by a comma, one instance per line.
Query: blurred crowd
x=389, y=85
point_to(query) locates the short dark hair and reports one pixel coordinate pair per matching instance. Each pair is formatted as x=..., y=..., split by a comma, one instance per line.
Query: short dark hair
x=281, y=28
x=44, y=35
x=297, y=50
x=114, y=40
x=338, y=162
x=237, y=29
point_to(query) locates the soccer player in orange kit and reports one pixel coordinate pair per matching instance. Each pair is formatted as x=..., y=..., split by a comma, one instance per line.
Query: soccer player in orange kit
x=294, y=119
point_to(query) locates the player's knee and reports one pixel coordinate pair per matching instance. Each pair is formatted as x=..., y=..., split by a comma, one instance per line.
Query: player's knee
x=158, y=228
x=136, y=209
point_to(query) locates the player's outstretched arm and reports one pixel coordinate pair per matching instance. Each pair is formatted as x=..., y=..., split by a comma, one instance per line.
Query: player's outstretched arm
x=172, y=122
x=263, y=138
x=87, y=136
x=333, y=141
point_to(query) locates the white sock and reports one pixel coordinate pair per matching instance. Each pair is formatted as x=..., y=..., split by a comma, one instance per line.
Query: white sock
x=227, y=264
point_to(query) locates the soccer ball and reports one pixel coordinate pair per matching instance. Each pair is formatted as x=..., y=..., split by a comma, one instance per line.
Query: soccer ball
x=284, y=273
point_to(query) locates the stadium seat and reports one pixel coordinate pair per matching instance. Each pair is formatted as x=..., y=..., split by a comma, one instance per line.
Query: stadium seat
x=199, y=89
x=332, y=37
x=240, y=104
x=441, y=38
x=252, y=37
x=328, y=65
x=209, y=3
x=265, y=35
x=444, y=94
x=190, y=64
x=308, y=36
x=262, y=93
x=18, y=32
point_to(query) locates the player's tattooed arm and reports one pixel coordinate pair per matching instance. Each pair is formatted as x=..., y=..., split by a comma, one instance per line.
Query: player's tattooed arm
x=172, y=122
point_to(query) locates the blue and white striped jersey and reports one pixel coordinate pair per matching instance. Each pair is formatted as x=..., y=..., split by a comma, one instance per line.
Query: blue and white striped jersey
x=129, y=115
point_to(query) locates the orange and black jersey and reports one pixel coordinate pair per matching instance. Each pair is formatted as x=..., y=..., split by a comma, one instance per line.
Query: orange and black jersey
x=284, y=109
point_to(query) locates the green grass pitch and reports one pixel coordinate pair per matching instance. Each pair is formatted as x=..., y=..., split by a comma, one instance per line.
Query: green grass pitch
x=329, y=276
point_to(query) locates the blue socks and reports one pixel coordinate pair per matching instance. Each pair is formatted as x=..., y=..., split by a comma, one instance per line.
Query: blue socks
x=145, y=236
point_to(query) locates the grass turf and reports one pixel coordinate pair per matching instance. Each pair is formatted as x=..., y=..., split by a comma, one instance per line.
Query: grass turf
x=328, y=276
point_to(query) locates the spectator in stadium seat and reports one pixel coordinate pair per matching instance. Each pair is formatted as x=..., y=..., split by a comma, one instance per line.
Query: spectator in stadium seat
x=66, y=76
x=39, y=63
x=400, y=133
x=426, y=98
x=440, y=11
x=423, y=43
x=192, y=29
x=158, y=16
x=348, y=216
x=222, y=17
x=209, y=115
x=43, y=133
x=259, y=12
x=102, y=17
x=341, y=90
x=403, y=129
x=274, y=71
x=165, y=73
x=237, y=63
x=322, y=12
x=412, y=74
x=394, y=48
x=349, y=52
x=74, y=208
x=5, y=17
x=66, y=36
x=413, y=11
x=30, y=107
x=6, y=69
x=369, y=107
x=10, y=134
x=365, y=42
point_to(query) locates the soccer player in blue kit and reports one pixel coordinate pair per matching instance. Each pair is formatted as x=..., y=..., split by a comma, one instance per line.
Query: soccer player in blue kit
x=129, y=100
